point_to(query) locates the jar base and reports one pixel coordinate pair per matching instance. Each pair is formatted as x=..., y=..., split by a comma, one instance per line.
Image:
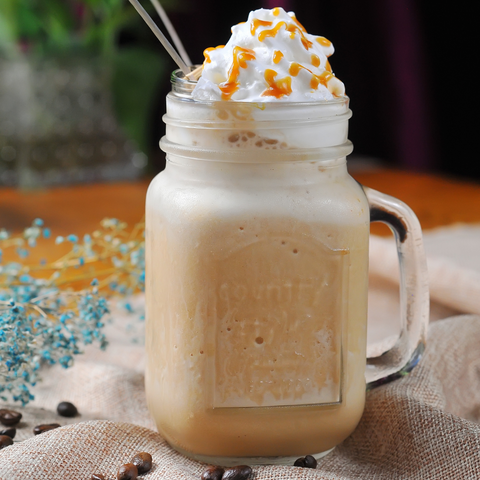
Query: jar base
x=232, y=461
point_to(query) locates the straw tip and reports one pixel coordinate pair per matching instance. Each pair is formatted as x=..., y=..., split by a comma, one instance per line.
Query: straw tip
x=195, y=74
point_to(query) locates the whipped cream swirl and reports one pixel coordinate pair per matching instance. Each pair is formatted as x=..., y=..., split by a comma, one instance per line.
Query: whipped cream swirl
x=271, y=57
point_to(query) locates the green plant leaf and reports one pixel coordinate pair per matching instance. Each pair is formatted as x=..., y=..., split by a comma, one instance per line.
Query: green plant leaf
x=8, y=25
x=29, y=23
x=59, y=22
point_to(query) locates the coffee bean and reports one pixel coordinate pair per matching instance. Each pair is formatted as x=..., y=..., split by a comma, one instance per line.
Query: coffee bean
x=240, y=472
x=143, y=462
x=9, y=417
x=213, y=473
x=97, y=476
x=306, y=462
x=67, y=409
x=310, y=462
x=9, y=432
x=300, y=462
x=127, y=472
x=44, y=428
x=5, y=441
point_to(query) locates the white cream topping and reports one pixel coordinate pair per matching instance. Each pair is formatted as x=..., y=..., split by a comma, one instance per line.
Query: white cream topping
x=270, y=57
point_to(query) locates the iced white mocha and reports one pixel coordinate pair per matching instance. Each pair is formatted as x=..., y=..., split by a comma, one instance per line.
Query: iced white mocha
x=257, y=268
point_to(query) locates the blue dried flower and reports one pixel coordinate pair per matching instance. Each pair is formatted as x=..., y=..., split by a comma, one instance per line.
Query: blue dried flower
x=41, y=319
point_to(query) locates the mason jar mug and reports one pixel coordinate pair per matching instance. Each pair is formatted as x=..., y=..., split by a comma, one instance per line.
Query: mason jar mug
x=257, y=277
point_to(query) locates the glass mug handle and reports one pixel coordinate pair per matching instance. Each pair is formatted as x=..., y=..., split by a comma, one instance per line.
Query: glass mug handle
x=414, y=296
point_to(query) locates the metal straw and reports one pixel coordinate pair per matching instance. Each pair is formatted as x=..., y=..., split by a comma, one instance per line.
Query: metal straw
x=171, y=30
x=163, y=40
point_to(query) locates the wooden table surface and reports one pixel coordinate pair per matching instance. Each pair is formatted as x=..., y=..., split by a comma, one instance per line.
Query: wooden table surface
x=437, y=201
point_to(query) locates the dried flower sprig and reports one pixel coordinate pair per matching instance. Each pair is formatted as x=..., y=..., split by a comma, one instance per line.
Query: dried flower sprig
x=46, y=313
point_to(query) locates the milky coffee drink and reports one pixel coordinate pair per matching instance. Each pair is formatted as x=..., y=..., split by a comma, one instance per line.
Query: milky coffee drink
x=256, y=254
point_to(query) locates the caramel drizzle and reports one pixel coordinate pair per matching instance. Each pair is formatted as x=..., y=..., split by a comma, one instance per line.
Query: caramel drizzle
x=240, y=58
x=276, y=11
x=277, y=56
x=324, y=78
x=208, y=50
x=302, y=28
x=277, y=88
x=272, y=32
x=258, y=23
x=323, y=41
x=316, y=80
x=315, y=60
x=291, y=27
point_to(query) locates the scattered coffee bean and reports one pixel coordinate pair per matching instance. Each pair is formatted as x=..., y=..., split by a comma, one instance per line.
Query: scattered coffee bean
x=306, y=462
x=143, y=462
x=44, y=428
x=9, y=417
x=67, y=409
x=213, y=473
x=127, y=472
x=9, y=432
x=310, y=462
x=240, y=472
x=300, y=462
x=5, y=441
x=97, y=476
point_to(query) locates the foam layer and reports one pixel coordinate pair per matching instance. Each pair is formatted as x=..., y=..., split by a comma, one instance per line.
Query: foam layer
x=256, y=127
x=271, y=57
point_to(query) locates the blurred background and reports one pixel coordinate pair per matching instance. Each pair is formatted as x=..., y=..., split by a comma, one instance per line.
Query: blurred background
x=83, y=83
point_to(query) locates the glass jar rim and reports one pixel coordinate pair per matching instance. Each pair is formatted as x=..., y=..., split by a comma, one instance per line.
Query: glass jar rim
x=183, y=87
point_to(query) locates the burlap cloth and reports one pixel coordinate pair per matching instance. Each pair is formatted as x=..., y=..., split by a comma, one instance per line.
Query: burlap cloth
x=424, y=426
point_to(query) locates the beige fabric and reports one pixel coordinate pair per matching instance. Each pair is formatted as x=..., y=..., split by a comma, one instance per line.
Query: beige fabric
x=454, y=280
x=454, y=273
x=424, y=426
x=453, y=264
